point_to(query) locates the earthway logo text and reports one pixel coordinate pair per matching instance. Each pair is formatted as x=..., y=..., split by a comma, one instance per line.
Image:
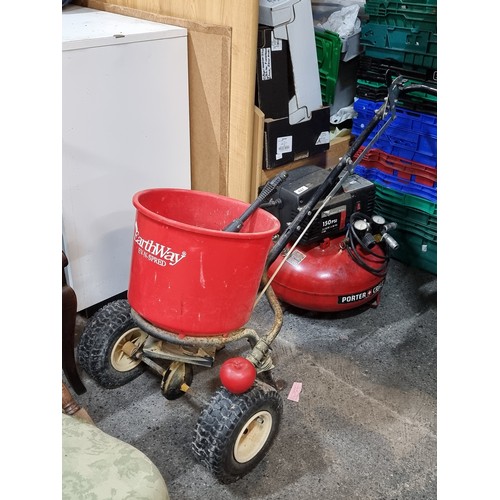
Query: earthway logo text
x=156, y=252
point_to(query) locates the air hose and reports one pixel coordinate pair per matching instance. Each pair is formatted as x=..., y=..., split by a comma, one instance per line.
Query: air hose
x=353, y=240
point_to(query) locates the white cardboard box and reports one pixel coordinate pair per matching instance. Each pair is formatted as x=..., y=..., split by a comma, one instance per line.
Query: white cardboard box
x=292, y=20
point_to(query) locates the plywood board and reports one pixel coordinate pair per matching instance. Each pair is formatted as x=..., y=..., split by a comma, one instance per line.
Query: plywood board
x=242, y=17
x=257, y=152
x=209, y=80
x=209, y=58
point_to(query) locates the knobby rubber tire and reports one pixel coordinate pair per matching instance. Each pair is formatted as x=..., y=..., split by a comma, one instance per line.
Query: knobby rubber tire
x=220, y=423
x=96, y=344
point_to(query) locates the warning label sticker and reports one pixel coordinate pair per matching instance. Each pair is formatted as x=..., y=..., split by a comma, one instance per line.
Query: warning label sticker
x=265, y=64
x=296, y=258
x=284, y=145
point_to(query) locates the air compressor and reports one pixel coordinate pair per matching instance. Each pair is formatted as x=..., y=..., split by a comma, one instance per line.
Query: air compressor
x=342, y=258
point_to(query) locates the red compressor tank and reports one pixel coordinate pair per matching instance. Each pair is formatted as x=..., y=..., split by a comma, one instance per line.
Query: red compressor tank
x=324, y=277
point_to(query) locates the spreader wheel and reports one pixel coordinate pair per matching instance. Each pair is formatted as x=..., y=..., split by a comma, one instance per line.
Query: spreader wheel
x=234, y=432
x=100, y=349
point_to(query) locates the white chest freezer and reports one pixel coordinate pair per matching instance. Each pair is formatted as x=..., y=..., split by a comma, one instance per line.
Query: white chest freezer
x=125, y=127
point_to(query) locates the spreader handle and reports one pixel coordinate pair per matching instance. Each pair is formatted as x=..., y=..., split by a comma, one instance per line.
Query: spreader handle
x=237, y=224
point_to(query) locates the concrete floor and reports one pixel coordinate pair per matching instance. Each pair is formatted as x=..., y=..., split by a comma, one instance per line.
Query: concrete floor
x=364, y=426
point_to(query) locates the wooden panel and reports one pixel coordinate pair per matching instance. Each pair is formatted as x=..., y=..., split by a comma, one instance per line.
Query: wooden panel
x=257, y=153
x=209, y=80
x=242, y=16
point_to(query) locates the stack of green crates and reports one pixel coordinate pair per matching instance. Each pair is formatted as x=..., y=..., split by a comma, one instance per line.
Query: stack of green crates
x=401, y=30
x=400, y=37
x=416, y=233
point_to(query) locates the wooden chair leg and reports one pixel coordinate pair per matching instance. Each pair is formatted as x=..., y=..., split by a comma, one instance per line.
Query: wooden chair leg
x=69, y=306
x=71, y=407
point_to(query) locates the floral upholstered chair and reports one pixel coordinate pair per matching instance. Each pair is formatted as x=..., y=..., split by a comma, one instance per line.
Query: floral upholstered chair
x=97, y=466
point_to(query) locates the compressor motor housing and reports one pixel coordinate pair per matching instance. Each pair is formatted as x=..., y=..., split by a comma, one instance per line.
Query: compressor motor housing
x=356, y=195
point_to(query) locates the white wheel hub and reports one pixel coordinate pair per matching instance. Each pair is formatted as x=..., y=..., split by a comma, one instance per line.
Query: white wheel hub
x=119, y=360
x=253, y=436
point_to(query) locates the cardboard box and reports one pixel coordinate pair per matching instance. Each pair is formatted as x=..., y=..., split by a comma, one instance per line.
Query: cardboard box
x=272, y=89
x=326, y=159
x=284, y=143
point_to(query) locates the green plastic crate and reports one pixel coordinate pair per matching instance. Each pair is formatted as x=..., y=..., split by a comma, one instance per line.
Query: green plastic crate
x=412, y=40
x=410, y=11
x=431, y=98
x=408, y=214
x=426, y=231
x=403, y=14
x=415, y=251
x=404, y=199
x=417, y=60
x=328, y=51
x=406, y=22
x=419, y=5
x=405, y=45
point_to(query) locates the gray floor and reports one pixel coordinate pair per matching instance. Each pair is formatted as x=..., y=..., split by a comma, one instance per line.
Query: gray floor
x=365, y=424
